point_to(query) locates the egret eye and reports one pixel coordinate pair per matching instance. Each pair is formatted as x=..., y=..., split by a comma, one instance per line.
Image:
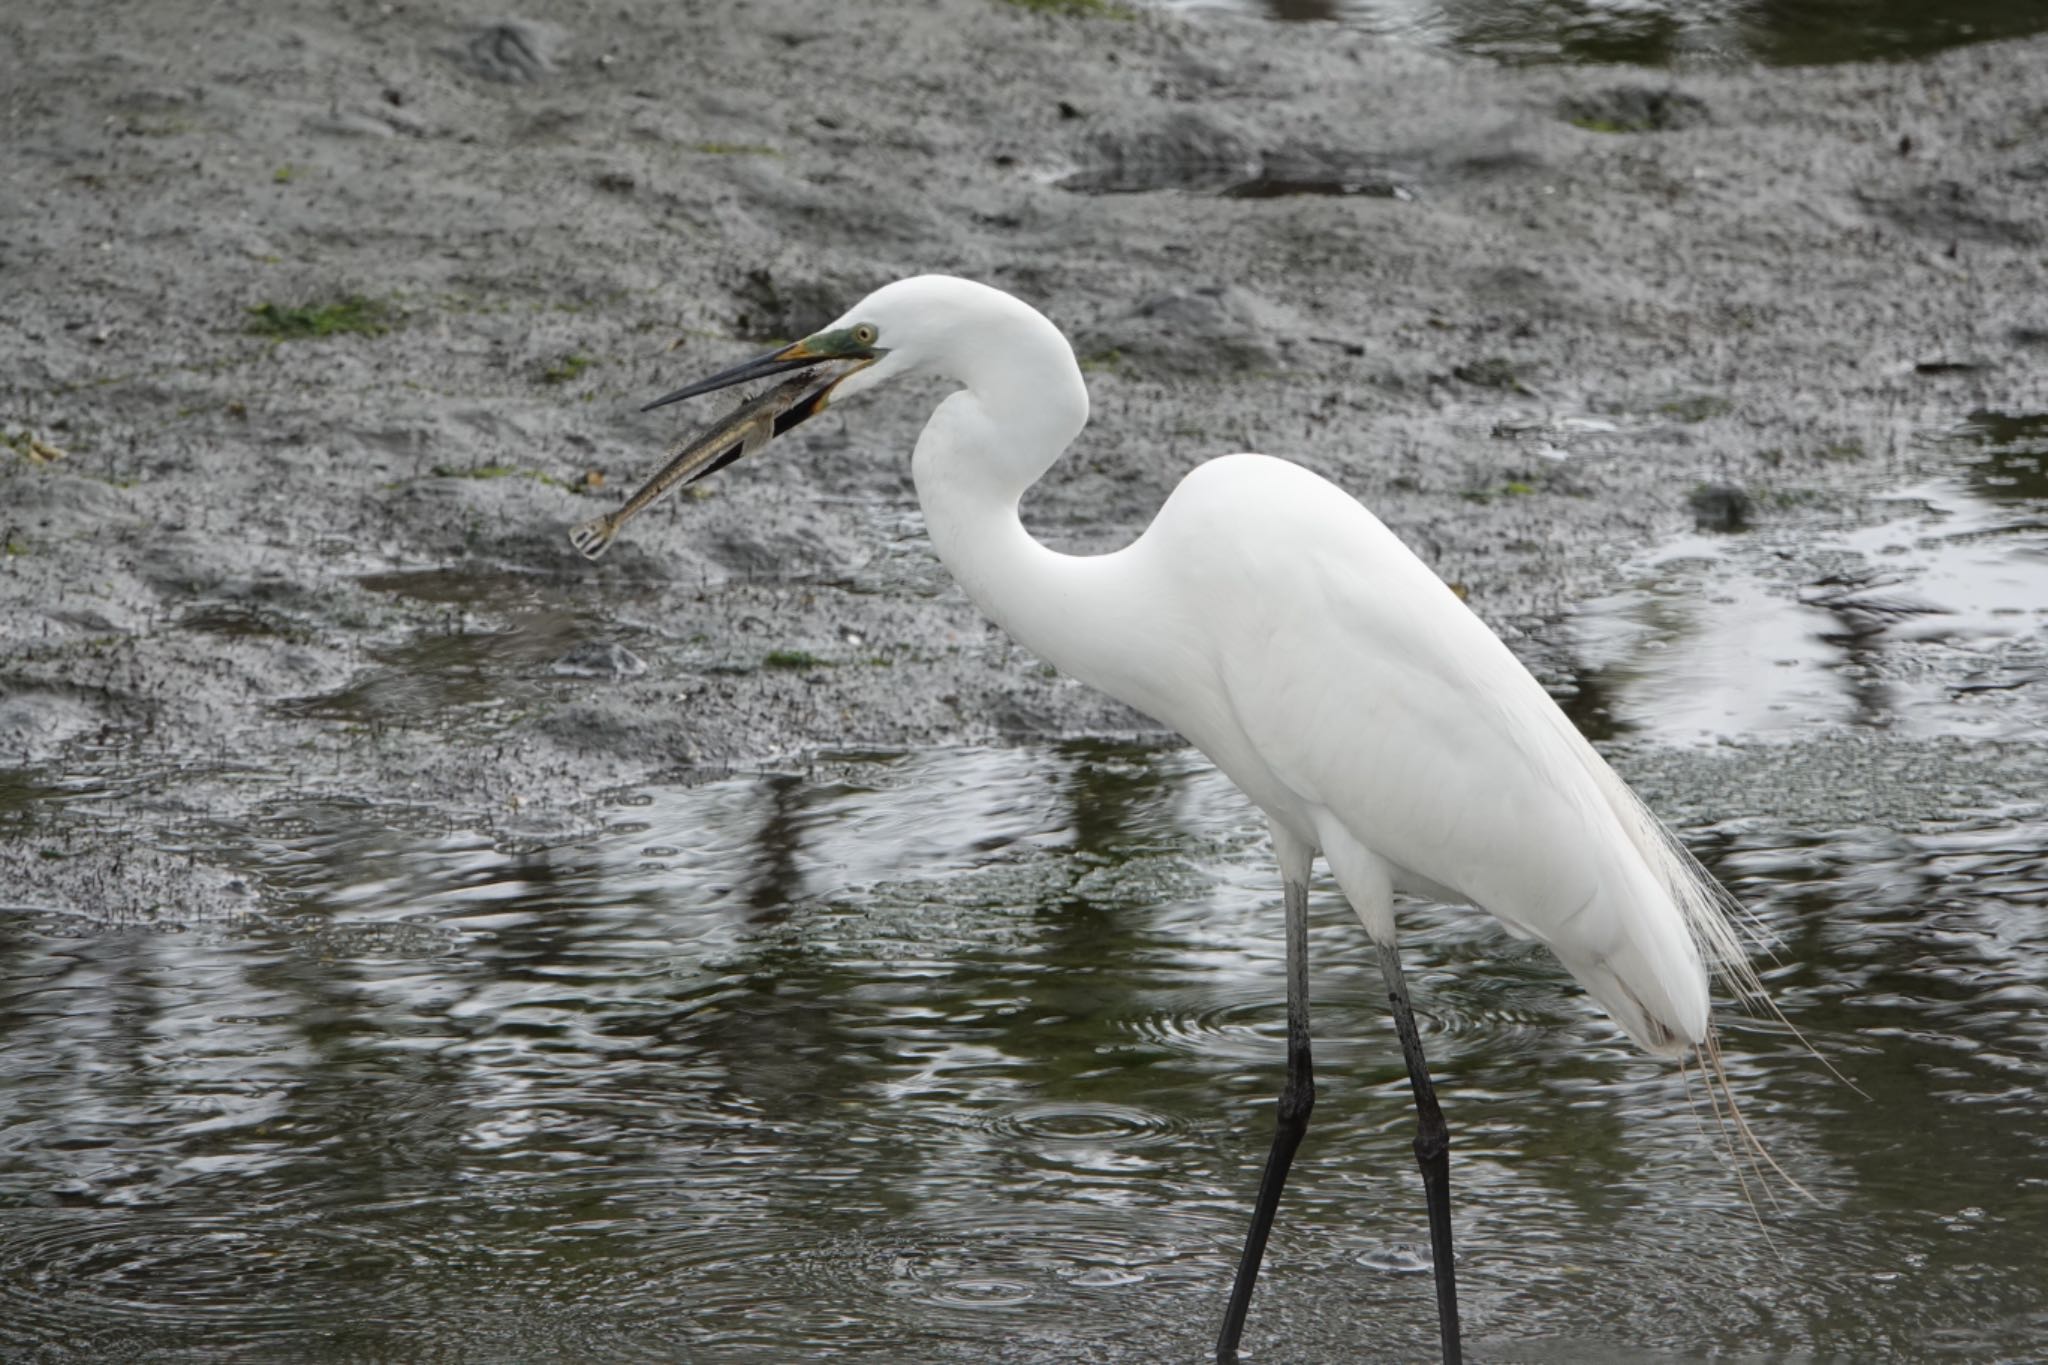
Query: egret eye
x=865, y=334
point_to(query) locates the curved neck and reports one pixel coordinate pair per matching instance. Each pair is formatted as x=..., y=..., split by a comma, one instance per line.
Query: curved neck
x=981, y=450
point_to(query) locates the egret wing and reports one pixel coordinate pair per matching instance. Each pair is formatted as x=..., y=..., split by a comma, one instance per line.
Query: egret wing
x=1355, y=685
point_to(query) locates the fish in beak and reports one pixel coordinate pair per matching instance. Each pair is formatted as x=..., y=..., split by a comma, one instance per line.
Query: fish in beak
x=816, y=364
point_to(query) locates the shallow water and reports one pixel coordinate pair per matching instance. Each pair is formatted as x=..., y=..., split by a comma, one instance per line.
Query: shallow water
x=970, y=1055
x=1922, y=610
x=1664, y=32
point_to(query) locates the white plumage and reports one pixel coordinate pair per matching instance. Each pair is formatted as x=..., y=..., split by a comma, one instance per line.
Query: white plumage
x=1270, y=618
x=1276, y=623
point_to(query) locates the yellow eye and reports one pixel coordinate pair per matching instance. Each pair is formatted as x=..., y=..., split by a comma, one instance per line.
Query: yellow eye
x=864, y=334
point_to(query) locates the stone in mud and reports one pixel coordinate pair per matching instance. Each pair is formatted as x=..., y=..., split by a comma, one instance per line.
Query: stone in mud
x=510, y=51
x=1634, y=109
x=1491, y=372
x=1719, y=507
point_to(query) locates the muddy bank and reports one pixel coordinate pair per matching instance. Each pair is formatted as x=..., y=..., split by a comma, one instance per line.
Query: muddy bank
x=322, y=328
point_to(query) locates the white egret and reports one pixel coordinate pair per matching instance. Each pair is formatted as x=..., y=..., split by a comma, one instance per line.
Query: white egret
x=1277, y=624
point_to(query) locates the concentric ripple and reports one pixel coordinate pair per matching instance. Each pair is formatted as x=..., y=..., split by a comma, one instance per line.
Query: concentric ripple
x=1251, y=1029
x=945, y=1273
x=1119, y=1125
x=68, y=1275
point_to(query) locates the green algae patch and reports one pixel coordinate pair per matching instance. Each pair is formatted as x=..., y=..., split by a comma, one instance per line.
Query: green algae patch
x=355, y=313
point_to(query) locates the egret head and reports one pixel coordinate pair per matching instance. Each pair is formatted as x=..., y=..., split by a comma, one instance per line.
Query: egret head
x=997, y=345
x=846, y=348
x=936, y=323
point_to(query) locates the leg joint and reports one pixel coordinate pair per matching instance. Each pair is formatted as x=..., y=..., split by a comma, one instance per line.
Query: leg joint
x=1297, y=1102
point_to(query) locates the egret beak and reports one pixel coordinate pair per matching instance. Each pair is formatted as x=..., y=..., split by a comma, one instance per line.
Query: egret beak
x=852, y=346
x=824, y=349
x=794, y=357
x=815, y=350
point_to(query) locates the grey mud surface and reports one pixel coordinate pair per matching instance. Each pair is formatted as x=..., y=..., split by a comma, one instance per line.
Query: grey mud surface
x=238, y=567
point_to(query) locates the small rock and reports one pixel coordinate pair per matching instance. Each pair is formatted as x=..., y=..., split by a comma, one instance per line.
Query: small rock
x=157, y=100
x=1397, y=1258
x=1634, y=109
x=512, y=51
x=1719, y=507
x=1494, y=372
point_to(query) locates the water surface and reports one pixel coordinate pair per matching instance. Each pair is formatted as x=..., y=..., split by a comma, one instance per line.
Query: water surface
x=1664, y=32
x=970, y=1056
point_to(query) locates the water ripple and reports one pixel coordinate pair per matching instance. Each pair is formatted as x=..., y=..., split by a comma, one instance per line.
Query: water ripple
x=854, y=1073
x=66, y=1271
x=1119, y=1125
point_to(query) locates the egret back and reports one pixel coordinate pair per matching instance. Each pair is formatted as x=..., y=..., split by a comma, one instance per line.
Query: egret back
x=1340, y=679
x=1270, y=618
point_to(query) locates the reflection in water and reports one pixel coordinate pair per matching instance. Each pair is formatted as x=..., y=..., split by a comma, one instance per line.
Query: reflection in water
x=2014, y=463
x=778, y=881
x=1701, y=656
x=1302, y=9
x=1927, y=616
x=1661, y=32
x=970, y=1056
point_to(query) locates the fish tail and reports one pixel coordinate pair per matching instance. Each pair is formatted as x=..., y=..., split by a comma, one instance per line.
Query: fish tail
x=592, y=538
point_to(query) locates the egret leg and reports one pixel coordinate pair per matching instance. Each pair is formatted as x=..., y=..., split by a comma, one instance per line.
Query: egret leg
x=1432, y=1152
x=1297, y=1098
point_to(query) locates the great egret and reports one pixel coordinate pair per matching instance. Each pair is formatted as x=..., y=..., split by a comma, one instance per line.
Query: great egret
x=1276, y=623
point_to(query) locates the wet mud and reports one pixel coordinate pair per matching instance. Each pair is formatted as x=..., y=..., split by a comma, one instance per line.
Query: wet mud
x=322, y=333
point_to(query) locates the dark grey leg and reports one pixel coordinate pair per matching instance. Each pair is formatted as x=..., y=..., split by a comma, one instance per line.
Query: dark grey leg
x=1432, y=1153
x=1296, y=1100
